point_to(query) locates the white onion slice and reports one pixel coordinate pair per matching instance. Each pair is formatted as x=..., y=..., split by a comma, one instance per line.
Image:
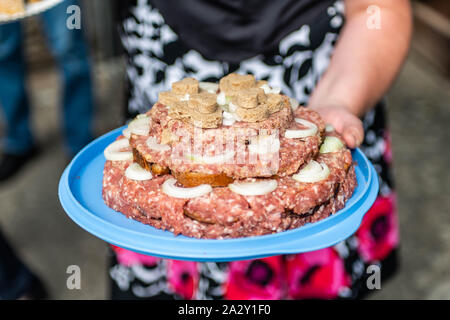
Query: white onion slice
x=267, y=89
x=172, y=190
x=264, y=144
x=210, y=87
x=256, y=188
x=329, y=128
x=153, y=144
x=140, y=125
x=229, y=118
x=312, y=172
x=302, y=133
x=294, y=104
x=228, y=122
x=113, y=151
x=126, y=133
x=331, y=144
x=136, y=172
x=217, y=159
x=221, y=99
x=228, y=115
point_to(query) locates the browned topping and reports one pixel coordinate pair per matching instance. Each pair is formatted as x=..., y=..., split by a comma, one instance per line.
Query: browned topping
x=204, y=102
x=251, y=103
x=253, y=115
x=168, y=98
x=234, y=82
x=182, y=112
x=249, y=98
x=187, y=85
x=274, y=102
x=206, y=120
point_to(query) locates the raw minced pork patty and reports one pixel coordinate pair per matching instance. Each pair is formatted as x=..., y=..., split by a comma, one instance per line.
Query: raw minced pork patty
x=225, y=214
x=292, y=155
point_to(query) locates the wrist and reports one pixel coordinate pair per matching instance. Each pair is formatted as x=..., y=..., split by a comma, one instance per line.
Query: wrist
x=338, y=105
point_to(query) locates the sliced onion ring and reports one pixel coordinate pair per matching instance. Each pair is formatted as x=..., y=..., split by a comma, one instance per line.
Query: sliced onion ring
x=153, y=144
x=140, y=125
x=172, y=190
x=228, y=122
x=312, y=172
x=329, y=128
x=331, y=144
x=210, y=87
x=267, y=89
x=294, y=104
x=302, y=133
x=136, y=172
x=216, y=159
x=264, y=144
x=113, y=151
x=228, y=118
x=126, y=133
x=256, y=188
x=221, y=99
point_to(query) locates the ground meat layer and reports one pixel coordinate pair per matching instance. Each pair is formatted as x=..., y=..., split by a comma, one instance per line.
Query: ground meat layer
x=292, y=155
x=225, y=214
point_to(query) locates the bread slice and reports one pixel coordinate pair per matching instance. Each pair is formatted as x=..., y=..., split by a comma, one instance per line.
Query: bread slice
x=12, y=6
x=193, y=179
x=154, y=168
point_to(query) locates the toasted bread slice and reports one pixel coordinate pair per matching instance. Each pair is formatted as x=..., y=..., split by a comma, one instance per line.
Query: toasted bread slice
x=154, y=168
x=187, y=179
x=193, y=179
x=12, y=6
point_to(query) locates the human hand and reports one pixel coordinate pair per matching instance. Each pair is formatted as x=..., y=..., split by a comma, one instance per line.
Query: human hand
x=344, y=122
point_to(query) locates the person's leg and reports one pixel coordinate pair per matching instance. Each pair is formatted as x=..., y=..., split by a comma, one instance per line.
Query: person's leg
x=13, y=96
x=69, y=48
x=18, y=145
x=16, y=280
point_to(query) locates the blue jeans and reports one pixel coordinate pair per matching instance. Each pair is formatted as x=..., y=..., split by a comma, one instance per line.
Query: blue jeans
x=15, y=277
x=69, y=49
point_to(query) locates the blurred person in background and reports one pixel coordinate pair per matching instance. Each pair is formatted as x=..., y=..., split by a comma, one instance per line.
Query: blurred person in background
x=69, y=49
x=337, y=57
x=17, y=281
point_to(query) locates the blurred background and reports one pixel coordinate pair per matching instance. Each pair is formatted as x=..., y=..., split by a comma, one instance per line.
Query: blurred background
x=419, y=116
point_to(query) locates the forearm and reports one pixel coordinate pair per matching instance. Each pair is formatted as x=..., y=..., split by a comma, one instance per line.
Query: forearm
x=365, y=61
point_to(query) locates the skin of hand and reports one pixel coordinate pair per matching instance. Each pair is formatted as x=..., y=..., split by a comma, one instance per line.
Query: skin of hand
x=344, y=122
x=364, y=64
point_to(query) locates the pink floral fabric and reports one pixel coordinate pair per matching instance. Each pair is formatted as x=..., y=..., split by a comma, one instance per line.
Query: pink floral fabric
x=378, y=233
x=320, y=274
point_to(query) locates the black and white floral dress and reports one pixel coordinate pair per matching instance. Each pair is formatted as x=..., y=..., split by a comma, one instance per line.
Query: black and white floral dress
x=158, y=56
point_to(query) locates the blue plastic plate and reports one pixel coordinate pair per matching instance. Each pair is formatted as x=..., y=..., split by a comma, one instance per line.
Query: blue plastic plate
x=80, y=193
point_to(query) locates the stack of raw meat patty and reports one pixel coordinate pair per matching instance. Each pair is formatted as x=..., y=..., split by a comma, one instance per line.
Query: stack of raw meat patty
x=227, y=160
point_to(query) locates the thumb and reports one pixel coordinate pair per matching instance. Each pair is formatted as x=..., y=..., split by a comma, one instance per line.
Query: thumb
x=353, y=133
